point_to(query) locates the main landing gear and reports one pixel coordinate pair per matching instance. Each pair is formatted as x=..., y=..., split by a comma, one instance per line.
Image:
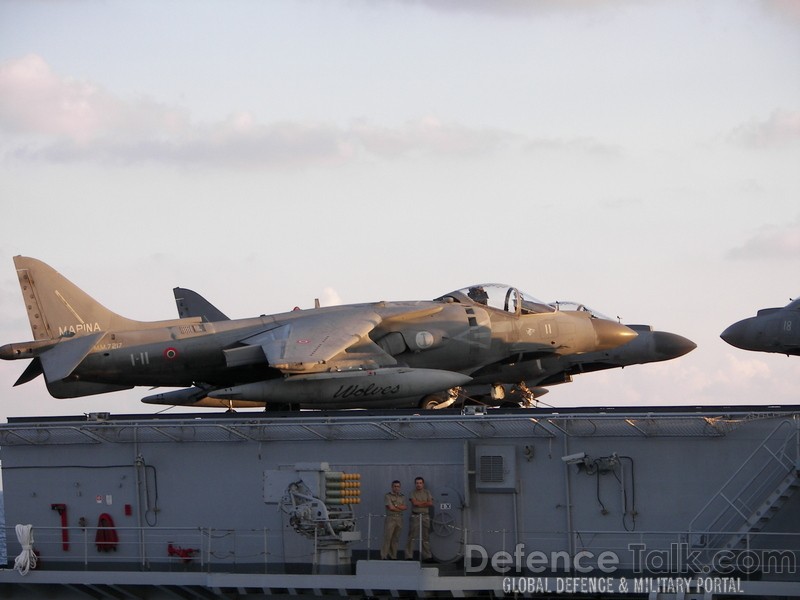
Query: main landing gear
x=442, y=399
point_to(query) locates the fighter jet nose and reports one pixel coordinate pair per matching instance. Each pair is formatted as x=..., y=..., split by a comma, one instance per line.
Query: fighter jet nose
x=736, y=334
x=611, y=334
x=672, y=345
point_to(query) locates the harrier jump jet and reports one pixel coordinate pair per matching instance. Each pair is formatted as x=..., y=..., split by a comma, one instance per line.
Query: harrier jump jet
x=380, y=354
x=515, y=382
x=771, y=330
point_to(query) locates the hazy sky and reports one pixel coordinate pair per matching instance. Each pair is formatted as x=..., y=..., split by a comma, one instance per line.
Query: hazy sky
x=642, y=157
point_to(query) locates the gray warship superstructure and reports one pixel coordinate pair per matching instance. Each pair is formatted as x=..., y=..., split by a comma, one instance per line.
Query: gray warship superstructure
x=609, y=502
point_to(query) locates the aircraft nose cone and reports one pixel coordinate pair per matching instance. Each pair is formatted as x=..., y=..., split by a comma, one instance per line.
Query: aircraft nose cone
x=672, y=345
x=611, y=334
x=736, y=334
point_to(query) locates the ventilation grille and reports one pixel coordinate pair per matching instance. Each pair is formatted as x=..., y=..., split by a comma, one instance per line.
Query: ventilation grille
x=496, y=468
x=491, y=469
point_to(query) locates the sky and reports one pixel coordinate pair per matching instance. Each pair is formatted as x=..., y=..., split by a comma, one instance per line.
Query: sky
x=641, y=157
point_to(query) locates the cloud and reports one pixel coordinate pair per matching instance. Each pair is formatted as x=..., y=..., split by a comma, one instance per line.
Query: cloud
x=771, y=243
x=430, y=135
x=57, y=119
x=514, y=8
x=780, y=128
x=330, y=297
x=788, y=11
x=35, y=100
x=622, y=203
x=736, y=374
x=573, y=146
x=221, y=144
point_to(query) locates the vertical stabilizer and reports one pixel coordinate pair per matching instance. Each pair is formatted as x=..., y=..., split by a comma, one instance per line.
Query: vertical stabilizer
x=58, y=308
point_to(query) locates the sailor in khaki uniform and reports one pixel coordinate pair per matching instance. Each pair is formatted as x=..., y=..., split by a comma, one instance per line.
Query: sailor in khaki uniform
x=395, y=503
x=421, y=503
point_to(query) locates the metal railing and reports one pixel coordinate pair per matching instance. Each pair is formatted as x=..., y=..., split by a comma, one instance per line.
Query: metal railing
x=750, y=486
x=150, y=548
x=260, y=551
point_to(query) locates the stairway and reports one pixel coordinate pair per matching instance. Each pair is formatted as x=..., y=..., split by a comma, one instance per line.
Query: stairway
x=762, y=515
x=752, y=496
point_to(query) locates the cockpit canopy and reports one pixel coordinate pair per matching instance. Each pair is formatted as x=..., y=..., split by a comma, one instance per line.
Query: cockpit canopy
x=500, y=297
x=505, y=297
x=577, y=306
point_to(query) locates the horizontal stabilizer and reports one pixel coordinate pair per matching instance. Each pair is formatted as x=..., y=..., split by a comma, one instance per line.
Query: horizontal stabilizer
x=33, y=370
x=61, y=360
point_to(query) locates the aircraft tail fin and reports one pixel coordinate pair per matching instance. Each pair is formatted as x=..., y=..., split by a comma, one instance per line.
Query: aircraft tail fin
x=192, y=304
x=57, y=308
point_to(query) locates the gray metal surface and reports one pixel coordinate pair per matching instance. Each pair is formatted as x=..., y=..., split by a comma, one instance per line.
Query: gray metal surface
x=642, y=486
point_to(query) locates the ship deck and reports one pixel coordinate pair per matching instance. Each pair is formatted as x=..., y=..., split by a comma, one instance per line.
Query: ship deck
x=577, y=484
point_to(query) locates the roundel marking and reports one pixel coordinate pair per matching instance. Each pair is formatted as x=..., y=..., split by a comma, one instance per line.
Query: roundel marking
x=424, y=339
x=170, y=353
x=303, y=341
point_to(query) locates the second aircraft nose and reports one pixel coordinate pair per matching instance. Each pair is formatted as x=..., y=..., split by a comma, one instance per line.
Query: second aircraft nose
x=737, y=334
x=611, y=334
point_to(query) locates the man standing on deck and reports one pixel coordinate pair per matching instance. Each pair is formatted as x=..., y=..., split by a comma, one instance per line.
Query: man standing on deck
x=395, y=503
x=421, y=503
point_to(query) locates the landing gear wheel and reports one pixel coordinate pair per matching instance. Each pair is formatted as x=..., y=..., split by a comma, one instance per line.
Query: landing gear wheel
x=430, y=402
x=442, y=399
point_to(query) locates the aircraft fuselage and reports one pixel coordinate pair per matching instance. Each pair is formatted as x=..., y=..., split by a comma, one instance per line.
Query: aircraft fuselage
x=771, y=330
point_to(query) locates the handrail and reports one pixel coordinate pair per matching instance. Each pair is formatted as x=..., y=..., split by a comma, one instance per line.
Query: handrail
x=250, y=550
x=783, y=462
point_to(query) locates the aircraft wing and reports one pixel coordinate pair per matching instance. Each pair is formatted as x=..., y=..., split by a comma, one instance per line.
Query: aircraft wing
x=313, y=343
